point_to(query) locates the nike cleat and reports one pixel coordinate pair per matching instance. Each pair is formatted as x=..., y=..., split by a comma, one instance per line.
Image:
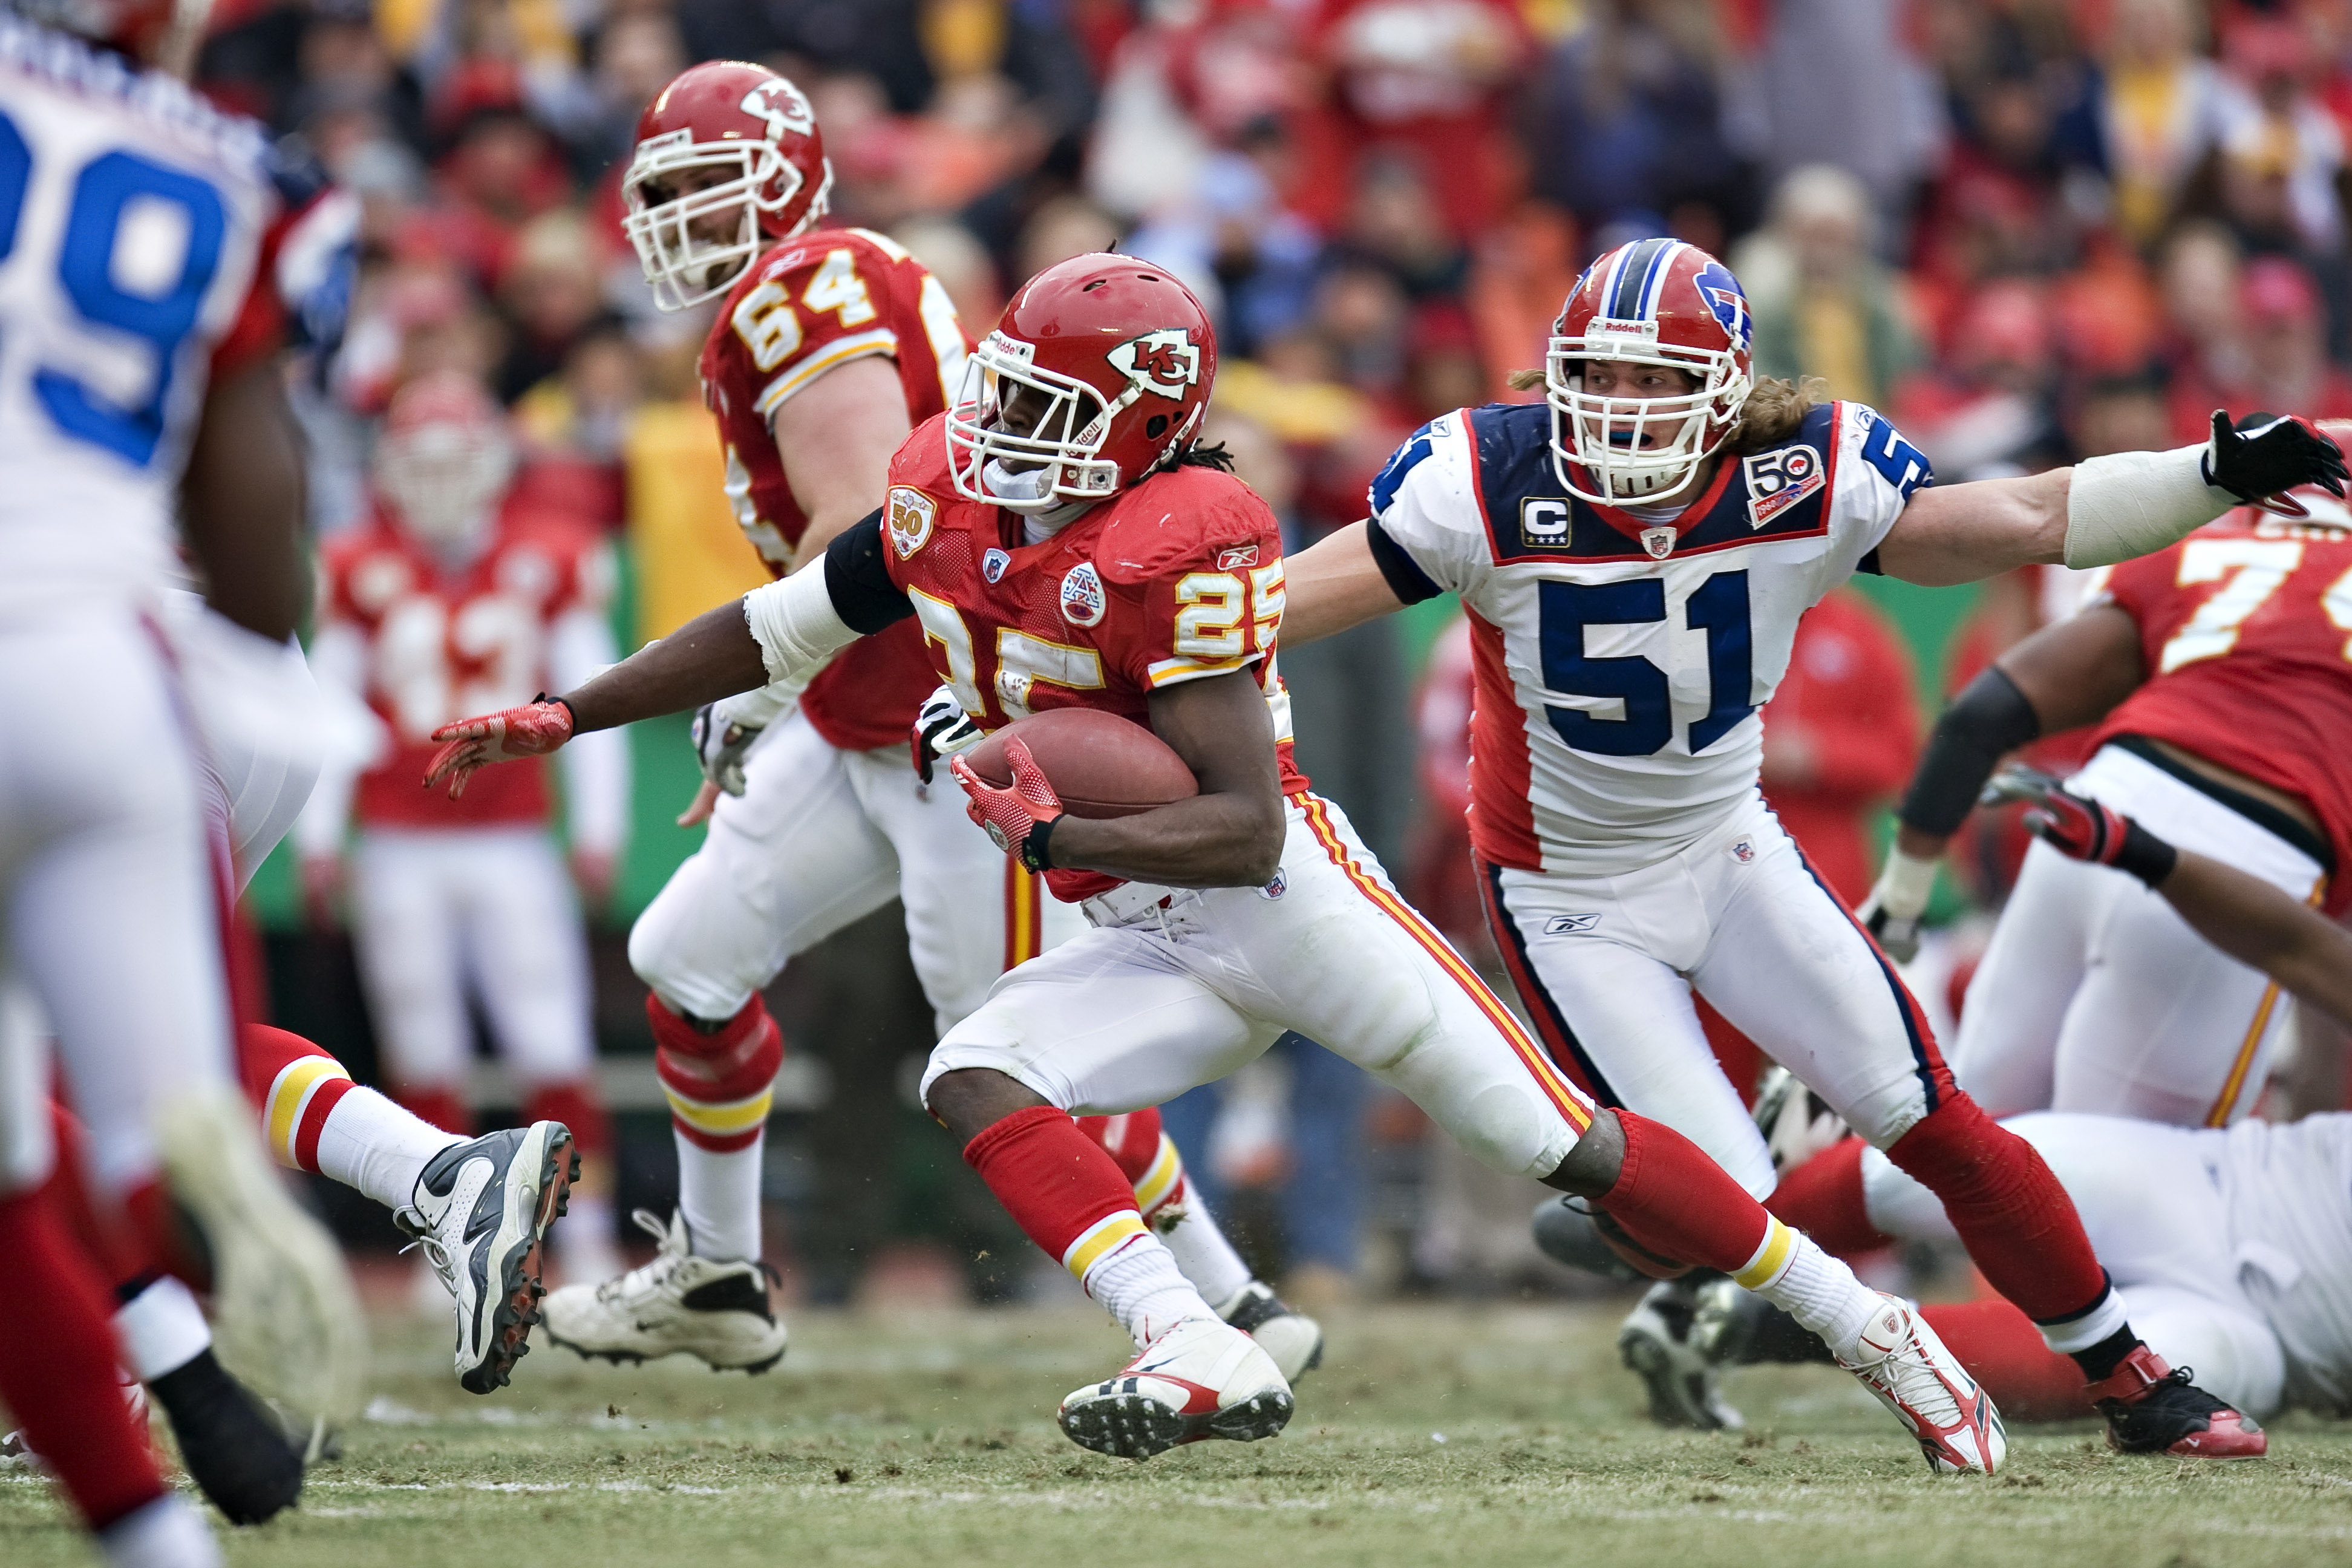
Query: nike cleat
x=286, y=1319
x=1656, y=1342
x=712, y=1308
x=1902, y=1362
x=1293, y=1339
x=2153, y=1408
x=1203, y=1378
x=480, y=1213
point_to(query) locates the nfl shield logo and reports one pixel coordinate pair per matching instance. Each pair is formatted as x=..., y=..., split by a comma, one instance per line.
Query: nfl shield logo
x=992, y=565
x=1658, y=542
x=1743, y=850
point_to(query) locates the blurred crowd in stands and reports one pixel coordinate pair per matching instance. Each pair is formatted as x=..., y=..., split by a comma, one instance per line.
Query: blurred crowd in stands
x=2029, y=230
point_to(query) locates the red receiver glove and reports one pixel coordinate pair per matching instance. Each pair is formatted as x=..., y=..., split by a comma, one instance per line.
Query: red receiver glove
x=1021, y=819
x=2084, y=829
x=533, y=729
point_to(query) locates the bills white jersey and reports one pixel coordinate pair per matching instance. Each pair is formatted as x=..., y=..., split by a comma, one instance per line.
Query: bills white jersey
x=1620, y=665
x=131, y=213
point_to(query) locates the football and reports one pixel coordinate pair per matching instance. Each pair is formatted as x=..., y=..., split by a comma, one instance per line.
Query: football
x=1099, y=763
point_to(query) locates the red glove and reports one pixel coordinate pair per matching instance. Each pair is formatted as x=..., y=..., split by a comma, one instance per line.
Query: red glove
x=533, y=729
x=1021, y=819
x=2084, y=829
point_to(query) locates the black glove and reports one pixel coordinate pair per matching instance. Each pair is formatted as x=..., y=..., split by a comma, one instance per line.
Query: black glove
x=720, y=746
x=942, y=730
x=2267, y=455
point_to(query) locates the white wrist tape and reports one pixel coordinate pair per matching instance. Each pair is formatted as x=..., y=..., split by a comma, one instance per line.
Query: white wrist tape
x=1904, y=885
x=796, y=626
x=2134, y=503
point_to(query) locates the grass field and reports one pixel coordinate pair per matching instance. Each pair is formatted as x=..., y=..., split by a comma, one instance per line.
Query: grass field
x=1432, y=1434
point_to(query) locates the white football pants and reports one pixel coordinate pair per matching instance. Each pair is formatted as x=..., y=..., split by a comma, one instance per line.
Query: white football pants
x=109, y=918
x=1606, y=966
x=1175, y=987
x=434, y=909
x=2155, y=1216
x=2095, y=996
x=818, y=839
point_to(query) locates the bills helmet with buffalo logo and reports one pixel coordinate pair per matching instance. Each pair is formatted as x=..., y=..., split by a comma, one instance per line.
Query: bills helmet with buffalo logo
x=1651, y=302
x=1098, y=375
x=727, y=161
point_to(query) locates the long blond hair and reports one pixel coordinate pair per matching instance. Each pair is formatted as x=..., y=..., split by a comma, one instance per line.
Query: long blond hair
x=1774, y=409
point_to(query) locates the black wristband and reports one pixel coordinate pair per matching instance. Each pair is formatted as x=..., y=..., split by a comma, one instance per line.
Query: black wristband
x=1988, y=720
x=1035, y=849
x=2144, y=856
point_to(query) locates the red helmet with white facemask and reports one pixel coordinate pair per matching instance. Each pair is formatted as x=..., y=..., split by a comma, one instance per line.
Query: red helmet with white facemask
x=444, y=460
x=1656, y=302
x=728, y=161
x=1116, y=357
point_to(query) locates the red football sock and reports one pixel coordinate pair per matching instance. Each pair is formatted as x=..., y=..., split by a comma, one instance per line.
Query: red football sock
x=1677, y=1203
x=1058, y=1185
x=719, y=1084
x=1822, y=1198
x=2016, y=1221
x=2003, y=1351
x=1145, y=1155
x=296, y=1085
x=58, y=1365
x=578, y=1107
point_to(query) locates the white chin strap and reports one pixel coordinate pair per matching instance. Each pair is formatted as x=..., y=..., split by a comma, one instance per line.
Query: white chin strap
x=1028, y=485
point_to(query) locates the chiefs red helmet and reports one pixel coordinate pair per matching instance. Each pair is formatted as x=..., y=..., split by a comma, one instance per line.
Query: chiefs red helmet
x=444, y=459
x=1651, y=302
x=729, y=161
x=1115, y=358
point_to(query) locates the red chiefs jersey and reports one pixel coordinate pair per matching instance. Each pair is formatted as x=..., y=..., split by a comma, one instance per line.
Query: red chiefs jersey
x=2246, y=634
x=810, y=304
x=441, y=646
x=1175, y=578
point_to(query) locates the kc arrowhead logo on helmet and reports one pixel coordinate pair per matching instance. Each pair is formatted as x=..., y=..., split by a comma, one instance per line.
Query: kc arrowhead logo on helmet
x=1164, y=361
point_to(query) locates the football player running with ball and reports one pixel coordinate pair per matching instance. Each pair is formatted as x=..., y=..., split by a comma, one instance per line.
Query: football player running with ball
x=1634, y=556
x=829, y=346
x=1062, y=541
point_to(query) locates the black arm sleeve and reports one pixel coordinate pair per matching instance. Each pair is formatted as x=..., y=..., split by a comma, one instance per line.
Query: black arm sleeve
x=862, y=595
x=1985, y=722
x=1406, y=577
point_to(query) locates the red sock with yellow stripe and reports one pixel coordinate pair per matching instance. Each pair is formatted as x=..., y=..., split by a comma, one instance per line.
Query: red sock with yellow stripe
x=315, y=1118
x=1147, y=1158
x=1679, y=1204
x=720, y=1085
x=1071, y=1198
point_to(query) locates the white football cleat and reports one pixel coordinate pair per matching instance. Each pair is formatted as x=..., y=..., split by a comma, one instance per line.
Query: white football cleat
x=714, y=1308
x=1293, y=1339
x=1203, y=1378
x=480, y=1213
x=1905, y=1364
x=286, y=1318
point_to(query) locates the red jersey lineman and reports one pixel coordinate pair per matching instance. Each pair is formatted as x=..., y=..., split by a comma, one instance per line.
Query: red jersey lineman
x=2217, y=676
x=1062, y=541
x=453, y=592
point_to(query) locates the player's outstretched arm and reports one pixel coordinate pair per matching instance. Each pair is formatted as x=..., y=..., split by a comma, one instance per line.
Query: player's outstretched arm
x=1228, y=836
x=2062, y=676
x=2246, y=917
x=1334, y=583
x=782, y=632
x=2103, y=510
